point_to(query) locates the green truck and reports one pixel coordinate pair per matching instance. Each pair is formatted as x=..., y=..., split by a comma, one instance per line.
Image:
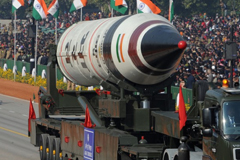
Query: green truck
x=134, y=59
x=211, y=136
x=221, y=140
x=127, y=131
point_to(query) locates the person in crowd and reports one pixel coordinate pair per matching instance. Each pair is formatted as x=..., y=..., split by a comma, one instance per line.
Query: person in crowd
x=218, y=85
x=182, y=84
x=231, y=119
x=236, y=81
x=191, y=79
x=44, y=59
x=70, y=85
x=9, y=54
x=18, y=52
x=22, y=57
x=40, y=57
x=2, y=52
x=209, y=75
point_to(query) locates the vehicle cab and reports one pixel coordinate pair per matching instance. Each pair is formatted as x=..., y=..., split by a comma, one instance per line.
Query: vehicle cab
x=221, y=123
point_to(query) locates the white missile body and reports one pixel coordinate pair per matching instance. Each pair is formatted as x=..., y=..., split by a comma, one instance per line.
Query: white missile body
x=140, y=49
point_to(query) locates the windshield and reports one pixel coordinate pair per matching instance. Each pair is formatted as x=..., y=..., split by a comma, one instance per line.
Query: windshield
x=231, y=118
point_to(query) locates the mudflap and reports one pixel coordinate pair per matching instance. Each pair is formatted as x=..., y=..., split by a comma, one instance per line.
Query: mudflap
x=33, y=133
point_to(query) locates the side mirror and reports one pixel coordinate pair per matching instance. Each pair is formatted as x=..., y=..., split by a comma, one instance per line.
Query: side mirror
x=236, y=85
x=207, y=132
x=207, y=117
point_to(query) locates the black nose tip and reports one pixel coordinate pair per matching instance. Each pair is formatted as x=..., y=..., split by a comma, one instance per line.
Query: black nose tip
x=160, y=47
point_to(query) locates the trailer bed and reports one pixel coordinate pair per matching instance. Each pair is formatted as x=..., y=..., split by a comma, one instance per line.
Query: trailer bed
x=167, y=122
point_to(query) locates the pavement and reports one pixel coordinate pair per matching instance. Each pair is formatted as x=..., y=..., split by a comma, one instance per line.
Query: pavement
x=14, y=141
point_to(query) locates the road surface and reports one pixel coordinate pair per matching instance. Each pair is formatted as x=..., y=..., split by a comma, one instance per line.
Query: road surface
x=14, y=141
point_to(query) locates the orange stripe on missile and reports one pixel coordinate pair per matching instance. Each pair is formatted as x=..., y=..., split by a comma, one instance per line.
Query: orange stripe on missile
x=121, y=47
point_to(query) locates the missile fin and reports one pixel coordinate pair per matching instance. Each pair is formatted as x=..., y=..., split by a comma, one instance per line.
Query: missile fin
x=108, y=86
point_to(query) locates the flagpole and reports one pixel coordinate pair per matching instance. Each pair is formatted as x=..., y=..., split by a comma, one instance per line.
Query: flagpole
x=36, y=52
x=81, y=15
x=56, y=31
x=136, y=8
x=15, y=36
x=169, y=11
x=170, y=8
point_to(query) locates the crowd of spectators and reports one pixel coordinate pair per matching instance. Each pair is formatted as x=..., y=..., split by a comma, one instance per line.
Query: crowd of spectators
x=204, y=57
x=24, y=49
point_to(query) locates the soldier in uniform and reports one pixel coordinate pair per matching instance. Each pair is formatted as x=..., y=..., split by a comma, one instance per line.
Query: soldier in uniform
x=70, y=85
x=9, y=53
x=2, y=52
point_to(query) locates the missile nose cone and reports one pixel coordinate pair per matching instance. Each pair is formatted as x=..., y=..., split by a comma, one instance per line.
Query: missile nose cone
x=160, y=47
x=182, y=45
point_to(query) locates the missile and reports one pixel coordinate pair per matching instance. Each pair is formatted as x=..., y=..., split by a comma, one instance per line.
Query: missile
x=142, y=49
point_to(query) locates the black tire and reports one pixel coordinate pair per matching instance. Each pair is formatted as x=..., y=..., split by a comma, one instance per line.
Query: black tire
x=57, y=148
x=42, y=146
x=166, y=157
x=49, y=145
x=175, y=158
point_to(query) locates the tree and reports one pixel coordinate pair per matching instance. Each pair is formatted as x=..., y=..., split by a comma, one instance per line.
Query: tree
x=202, y=6
x=102, y=5
x=5, y=5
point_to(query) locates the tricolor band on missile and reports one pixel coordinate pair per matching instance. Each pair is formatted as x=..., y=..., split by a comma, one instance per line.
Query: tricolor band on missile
x=142, y=49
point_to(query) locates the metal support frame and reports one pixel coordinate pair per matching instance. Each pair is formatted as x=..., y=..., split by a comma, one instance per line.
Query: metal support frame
x=51, y=74
x=94, y=116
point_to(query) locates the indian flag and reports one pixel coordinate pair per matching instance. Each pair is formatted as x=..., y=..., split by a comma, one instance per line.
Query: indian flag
x=171, y=11
x=77, y=4
x=53, y=9
x=119, y=48
x=39, y=10
x=120, y=6
x=16, y=4
x=146, y=6
x=121, y=3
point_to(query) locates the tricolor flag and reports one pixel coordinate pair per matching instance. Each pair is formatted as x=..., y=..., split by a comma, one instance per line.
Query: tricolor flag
x=77, y=4
x=119, y=48
x=171, y=11
x=39, y=10
x=146, y=6
x=119, y=6
x=53, y=8
x=121, y=3
x=182, y=110
x=16, y=4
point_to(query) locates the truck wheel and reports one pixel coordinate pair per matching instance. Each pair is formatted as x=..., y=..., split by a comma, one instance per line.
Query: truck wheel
x=42, y=146
x=170, y=154
x=175, y=158
x=49, y=148
x=56, y=148
x=166, y=157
